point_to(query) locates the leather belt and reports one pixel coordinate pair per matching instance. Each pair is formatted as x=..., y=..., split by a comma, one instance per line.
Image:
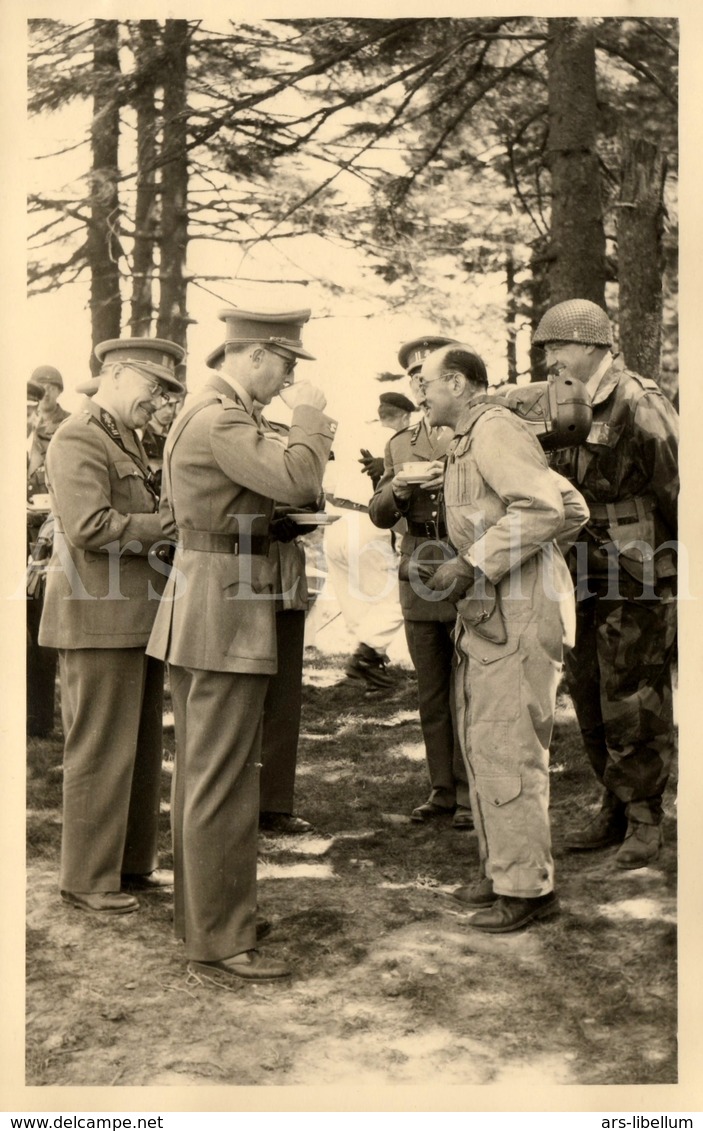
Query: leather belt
x=211, y=542
x=348, y=505
x=435, y=530
x=626, y=510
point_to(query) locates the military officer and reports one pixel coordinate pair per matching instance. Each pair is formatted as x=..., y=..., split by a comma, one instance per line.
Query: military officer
x=505, y=510
x=619, y=672
x=102, y=590
x=284, y=696
x=216, y=625
x=428, y=623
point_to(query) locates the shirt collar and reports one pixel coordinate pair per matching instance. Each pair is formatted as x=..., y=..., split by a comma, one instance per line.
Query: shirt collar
x=233, y=386
x=604, y=379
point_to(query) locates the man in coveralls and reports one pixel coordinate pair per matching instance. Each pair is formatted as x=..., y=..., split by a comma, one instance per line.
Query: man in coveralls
x=505, y=508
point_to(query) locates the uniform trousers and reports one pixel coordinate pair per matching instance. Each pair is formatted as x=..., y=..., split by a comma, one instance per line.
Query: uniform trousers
x=619, y=677
x=215, y=809
x=41, y=673
x=112, y=707
x=431, y=650
x=282, y=710
x=506, y=694
x=363, y=571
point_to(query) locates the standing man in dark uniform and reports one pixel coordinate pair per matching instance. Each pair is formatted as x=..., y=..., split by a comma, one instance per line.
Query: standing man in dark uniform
x=216, y=625
x=619, y=672
x=428, y=624
x=102, y=591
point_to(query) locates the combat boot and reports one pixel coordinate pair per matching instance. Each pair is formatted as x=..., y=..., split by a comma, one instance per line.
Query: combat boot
x=641, y=845
x=607, y=827
x=369, y=666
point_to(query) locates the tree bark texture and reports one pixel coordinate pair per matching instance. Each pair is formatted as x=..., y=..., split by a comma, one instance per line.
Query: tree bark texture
x=173, y=319
x=103, y=244
x=511, y=317
x=577, y=268
x=145, y=218
x=640, y=257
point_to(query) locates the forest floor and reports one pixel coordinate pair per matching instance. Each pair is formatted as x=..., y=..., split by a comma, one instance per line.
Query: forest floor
x=390, y=986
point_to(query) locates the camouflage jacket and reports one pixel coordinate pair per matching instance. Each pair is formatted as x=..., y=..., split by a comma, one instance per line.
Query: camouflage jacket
x=627, y=471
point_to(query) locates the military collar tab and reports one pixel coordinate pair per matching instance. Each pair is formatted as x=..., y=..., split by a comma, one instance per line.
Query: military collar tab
x=231, y=388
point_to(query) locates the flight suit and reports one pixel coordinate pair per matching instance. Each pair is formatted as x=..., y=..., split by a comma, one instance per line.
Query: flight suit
x=505, y=510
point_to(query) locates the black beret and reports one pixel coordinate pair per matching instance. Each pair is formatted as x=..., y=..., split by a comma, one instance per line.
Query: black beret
x=397, y=400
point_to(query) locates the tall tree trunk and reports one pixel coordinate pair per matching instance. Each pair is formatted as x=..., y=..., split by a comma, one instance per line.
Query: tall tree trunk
x=173, y=319
x=511, y=317
x=577, y=268
x=145, y=218
x=640, y=258
x=537, y=295
x=104, y=248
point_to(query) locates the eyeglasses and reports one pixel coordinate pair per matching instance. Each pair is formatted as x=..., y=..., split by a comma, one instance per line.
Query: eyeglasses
x=155, y=390
x=291, y=362
x=421, y=383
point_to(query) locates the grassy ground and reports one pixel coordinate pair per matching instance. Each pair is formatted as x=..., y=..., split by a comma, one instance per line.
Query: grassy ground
x=390, y=985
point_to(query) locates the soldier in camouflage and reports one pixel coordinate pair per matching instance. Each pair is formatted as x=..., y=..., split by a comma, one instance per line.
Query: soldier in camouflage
x=619, y=672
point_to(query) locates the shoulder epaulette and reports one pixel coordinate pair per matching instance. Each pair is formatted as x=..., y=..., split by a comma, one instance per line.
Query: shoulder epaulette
x=646, y=383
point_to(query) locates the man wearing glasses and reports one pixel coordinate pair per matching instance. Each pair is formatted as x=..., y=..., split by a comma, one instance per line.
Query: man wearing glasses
x=102, y=591
x=216, y=624
x=428, y=623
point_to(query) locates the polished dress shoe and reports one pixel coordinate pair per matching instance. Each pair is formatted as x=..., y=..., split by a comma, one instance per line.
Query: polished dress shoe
x=510, y=912
x=429, y=810
x=285, y=823
x=480, y=894
x=640, y=847
x=103, y=902
x=249, y=966
x=462, y=819
x=149, y=881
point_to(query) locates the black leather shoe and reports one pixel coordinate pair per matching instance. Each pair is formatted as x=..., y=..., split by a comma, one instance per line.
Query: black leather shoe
x=510, y=912
x=480, y=894
x=249, y=966
x=369, y=667
x=462, y=819
x=150, y=881
x=263, y=928
x=607, y=827
x=101, y=902
x=429, y=810
x=286, y=823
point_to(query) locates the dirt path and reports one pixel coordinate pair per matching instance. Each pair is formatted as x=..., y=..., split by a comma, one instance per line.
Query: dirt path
x=390, y=986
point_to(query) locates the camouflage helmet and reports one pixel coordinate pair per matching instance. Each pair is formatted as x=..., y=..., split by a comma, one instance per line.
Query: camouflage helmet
x=576, y=320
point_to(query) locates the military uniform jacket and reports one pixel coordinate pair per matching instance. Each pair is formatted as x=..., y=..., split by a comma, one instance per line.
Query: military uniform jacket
x=423, y=508
x=222, y=475
x=628, y=473
x=102, y=590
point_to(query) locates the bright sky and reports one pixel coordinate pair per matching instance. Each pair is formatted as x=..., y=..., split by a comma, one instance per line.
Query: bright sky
x=351, y=335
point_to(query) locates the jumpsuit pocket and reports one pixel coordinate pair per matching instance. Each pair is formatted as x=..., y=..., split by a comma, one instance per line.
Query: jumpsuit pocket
x=498, y=789
x=495, y=678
